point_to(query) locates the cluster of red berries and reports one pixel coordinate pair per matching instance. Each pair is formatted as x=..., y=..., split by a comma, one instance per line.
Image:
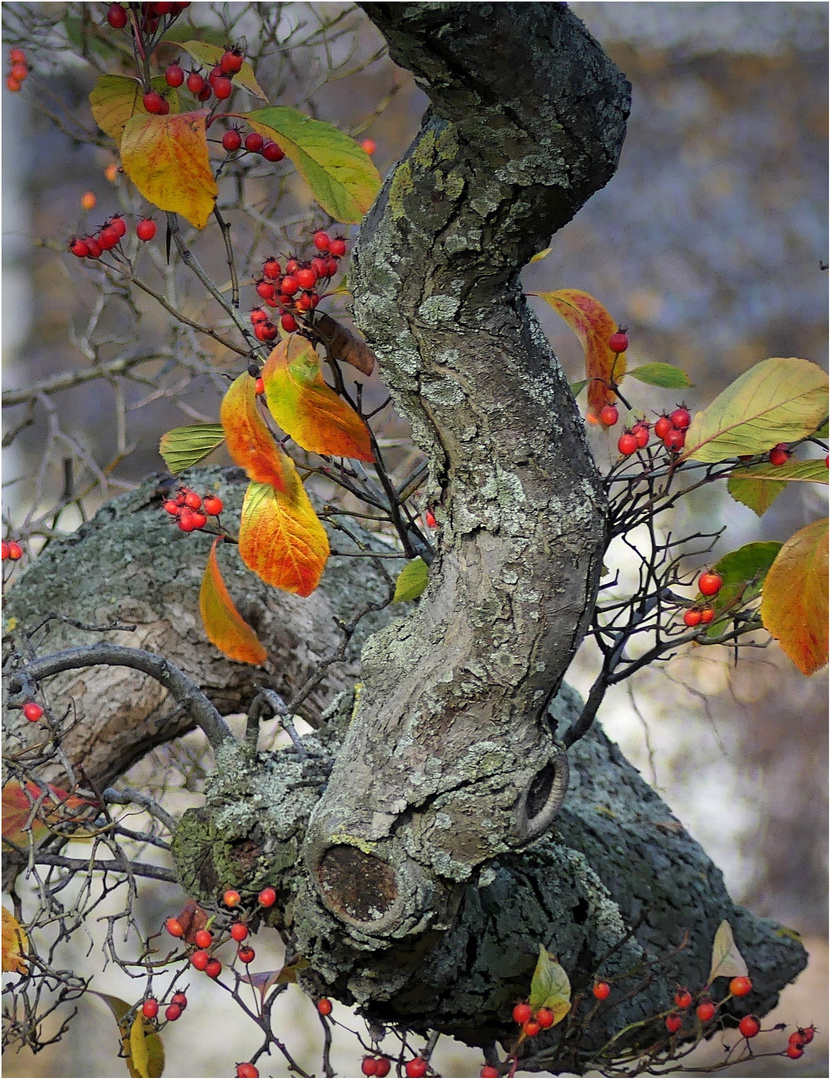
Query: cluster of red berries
x=294, y=291
x=670, y=428
x=191, y=511
x=11, y=550
x=150, y=16
x=253, y=143
x=532, y=1021
x=798, y=1040
x=178, y=1004
x=18, y=71
x=709, y=584
x=110, y=235
x=376, y=1066
x=216, y=83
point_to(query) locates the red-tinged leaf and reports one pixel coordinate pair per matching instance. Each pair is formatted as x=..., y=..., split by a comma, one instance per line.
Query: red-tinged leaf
x=550, y=986
x=224, y=625
x=166, y=157
x=339, y=173
x=17, y=804
x=782, y=399
x=281, y=538
x=309, y=410
x=342, y=344
x=727, y=961
x=209, y=56
x=758, y=486
x=250, y=443
x=593, y=325
x=264, y=980
x=193, y=919
x=795, y=597
x=14, y=944
x=115, y=99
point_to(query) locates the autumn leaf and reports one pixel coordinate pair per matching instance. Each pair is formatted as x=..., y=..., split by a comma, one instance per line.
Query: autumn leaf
x=550, y=986
x=14, y=944
x=309, y=410
x=209, y=56
x=224, y=625
x=339, y=173
x=166, y=157
x=140, y=1042
x=17, y=804
x=281, y=538
x=795, y=597
x=250, y=443
x=343, y=345
x=183, y=447
x=758, y=486
x=412, y=581
x=727, y=961
x=115, y=99
x=777, y=400
x=593, y=325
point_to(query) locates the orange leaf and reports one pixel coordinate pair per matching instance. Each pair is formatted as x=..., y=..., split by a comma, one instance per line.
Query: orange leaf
x=14, y=943
x=250, y=443
x=309, y=410
x=795, y=597
x=224, y=625
x=593, y=325
x=281, y=538
x=166, y=157
x=17, y=803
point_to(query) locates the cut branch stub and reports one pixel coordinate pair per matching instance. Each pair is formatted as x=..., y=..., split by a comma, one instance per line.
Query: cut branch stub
x=447, y=762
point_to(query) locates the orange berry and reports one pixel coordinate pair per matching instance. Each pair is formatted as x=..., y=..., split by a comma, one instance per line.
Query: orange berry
x=88, y=200
x=740, y=986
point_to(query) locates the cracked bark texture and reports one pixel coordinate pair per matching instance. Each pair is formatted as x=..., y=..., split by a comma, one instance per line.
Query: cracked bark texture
x=448, y=760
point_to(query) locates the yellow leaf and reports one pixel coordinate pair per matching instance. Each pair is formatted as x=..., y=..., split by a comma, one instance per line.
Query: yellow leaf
x=15, y=943
x=115, y=99
x=281, y=538
x=224, y=625
x=166, y=157
x=593, y=325
x=412, y=581
x=540, y=255
x=250, y=443
x=795, y=597
x=145, y=1056
x=309, y=410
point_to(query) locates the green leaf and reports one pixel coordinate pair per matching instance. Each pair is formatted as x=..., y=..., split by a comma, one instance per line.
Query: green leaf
x=339, y=173
x=822, y=430
x=743, y=573
x=758, y=486
x=777, y=400
x=412, y=581
x=727, y=961
x=578, y=387
x=550, y=986
x=666, y=376
x=183, y=447
x=210, y=55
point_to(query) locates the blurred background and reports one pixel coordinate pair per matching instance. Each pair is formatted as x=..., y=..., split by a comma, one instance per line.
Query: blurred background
x=707, y=244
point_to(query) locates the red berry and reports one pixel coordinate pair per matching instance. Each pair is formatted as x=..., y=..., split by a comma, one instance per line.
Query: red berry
x=680, y=418
x=266, y=290
x=108, y=237
x=749, y=1026
x=195, y=82
x=707, y=615
x=663, y=426
x=627, y=444
x=146, y=229
x=19, y=72
x=180, y=999
x=292, y=266
x=306, y=301
x=692, y=617
x=369, y=1066
x=172, y=1012
x=271, y=269
x=779, y=454
x=4, y=550
x=223, y=88
x=741, y=985
x=272, y=152
x=332, y=268
x=230, y=898
x=254, y=142
x=805, y=1035
x=174, y=928
x=683, y=999
x=601, y=990
x=709, y=584
x=93, y=245
x=545, y=1017
x=150, y=1008
x=154, y=102
x=416, y=1067
x=258, y=315
x=239, y=931
x=673, y=1022
x=231, y=140
x=200, y=959
x=369, y=146
x=79, y=248
x=430, y=520
x=288, y=322
x=705, y=1012
x=204, y=93
x=289, y=285
x=267, y=897
x=794, y=1052
x=522, y=1012
x=213, y=506
x=119, y=224
x=619, y=342
x=609, y=415
x=17, y=56
x=338, y=247
x=231, y=61
x=531, y=1028
x=321, y=266
x=245, y=1068
x=265, y=331
x=214, y=74
x=198, y=521
x=192, y=500
x=259, y=386
x=175, y=75
x=32, y=711
x=117, y=16
x=246, y=954
x=203, y=938
x=641, y=433
x=324, y=1006
x=213, y=968
x=15, y=551
x=488, y=1070
x=382, y=1066
x=674, y=440
x=321, y=240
